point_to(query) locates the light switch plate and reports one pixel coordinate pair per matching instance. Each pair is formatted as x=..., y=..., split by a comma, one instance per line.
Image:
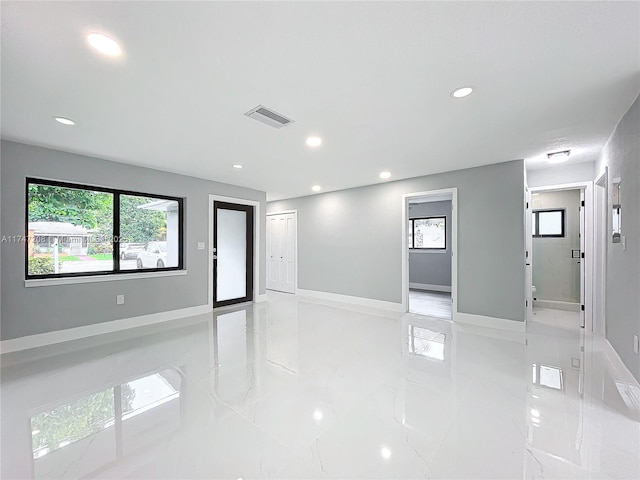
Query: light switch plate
x=636, y=344
x=120, y=299
x=200, y=245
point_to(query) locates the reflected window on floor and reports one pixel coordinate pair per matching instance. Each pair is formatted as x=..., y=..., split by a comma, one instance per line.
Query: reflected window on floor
x=72, y=422
x=95, y=416
x=149, y=392
x=425, y=343
x=547, y=376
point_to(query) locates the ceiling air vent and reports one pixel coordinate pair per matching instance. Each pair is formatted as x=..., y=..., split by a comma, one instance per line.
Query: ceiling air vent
x=268, y=117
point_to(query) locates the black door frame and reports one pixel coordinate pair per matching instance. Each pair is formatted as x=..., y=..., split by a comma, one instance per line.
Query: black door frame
x=249, y=210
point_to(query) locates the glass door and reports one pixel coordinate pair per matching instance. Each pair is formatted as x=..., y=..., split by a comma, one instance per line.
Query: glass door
x=233, y=253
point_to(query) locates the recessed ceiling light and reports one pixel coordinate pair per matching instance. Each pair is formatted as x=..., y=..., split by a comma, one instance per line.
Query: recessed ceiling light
x=385, y=175
x=462, y=91
x=316, y=188
x=558, y=157
x=385, y=453
x=237, y=165
x=104, y=44
x=314, y=141
x=64, y=121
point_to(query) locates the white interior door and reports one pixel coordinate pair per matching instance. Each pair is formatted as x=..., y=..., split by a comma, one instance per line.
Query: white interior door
x=273, y=251
x=281, y=252
x=528, y=269
x=582, y=259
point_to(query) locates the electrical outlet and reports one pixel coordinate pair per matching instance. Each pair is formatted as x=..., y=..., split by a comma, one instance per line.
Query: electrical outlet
x=636, y=344
x=120, y=299
x=200, y=245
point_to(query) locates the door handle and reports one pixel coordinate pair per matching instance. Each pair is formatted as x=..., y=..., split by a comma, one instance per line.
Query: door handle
x=215, y=257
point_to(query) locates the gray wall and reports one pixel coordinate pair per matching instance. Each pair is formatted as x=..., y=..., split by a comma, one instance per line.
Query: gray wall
x=556, y=275
x=28, y=311
x=559, y=174
x=350, y=241
x=431, y=267
x=622, y=155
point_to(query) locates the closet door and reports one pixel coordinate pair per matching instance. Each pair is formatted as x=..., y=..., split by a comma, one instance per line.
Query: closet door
x=281, y=252
x=273, y=252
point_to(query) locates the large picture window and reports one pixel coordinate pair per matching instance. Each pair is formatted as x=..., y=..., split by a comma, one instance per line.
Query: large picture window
x=428, y=233
x=74, y=230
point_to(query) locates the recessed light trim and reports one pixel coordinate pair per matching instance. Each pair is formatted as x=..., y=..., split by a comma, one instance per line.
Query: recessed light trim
x=384, y=175
x=463, y=91
x=316, y=188
x=558, y=157
x=104, y=44
x=238, y=166
x=64, y=121
x=314, y=142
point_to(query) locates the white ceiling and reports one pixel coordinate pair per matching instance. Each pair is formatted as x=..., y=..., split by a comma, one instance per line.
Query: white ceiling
x=372, y=79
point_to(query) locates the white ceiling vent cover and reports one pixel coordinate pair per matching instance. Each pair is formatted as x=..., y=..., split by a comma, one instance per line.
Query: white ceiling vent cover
x=268, y=117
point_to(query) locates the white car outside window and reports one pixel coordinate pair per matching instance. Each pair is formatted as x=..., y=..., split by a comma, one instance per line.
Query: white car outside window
x=153, y=255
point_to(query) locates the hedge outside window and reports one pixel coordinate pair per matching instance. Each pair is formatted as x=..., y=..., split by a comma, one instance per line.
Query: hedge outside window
x=428, y=233
x=77, y=230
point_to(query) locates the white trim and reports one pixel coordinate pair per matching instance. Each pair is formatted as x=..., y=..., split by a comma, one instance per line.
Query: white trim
x=261, y=298
x=490, y=322
x=421, y=251
x=557, y=305
x=453, y=249
x=282, y=212
x=600, y=244
x=365, y=302
x=430, y=287
x=45, y=282
x=58, y=336
x=588, y=242
x=620, y=370
x=256, y=242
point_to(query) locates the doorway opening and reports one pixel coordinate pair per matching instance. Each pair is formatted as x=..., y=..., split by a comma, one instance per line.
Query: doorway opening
x=429, y=260
x=559, y=254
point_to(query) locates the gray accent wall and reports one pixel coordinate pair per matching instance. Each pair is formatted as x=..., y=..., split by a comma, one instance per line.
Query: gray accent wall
x=556, y=275
x=431, y=267
x=34, y=310
x=622, y=155
x=350, y=241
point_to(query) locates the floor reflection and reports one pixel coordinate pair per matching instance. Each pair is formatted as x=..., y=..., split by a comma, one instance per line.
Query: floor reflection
x=297, y=388
x=81, y=437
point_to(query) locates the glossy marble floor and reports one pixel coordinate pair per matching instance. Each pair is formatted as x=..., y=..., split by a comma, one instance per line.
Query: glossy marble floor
x=296, y=388
x=433, y=304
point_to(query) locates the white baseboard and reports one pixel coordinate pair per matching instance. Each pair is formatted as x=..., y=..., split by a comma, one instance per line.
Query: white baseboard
x=432, y=288
x=557, y=305
x=58, y=336
x=489, y=322
x=365, y=302
x=621, y=371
